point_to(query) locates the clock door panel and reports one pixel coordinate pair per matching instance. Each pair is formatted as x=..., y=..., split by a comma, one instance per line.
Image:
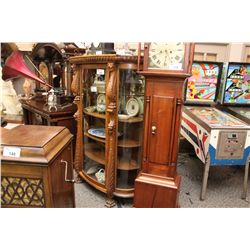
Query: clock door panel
x=161, y=129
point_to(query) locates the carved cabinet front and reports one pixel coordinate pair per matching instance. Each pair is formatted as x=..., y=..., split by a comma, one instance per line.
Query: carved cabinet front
x=110, y=101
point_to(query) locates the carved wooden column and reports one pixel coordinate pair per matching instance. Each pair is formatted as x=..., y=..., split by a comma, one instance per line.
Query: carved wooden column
x=76, y=88
x=111, y=132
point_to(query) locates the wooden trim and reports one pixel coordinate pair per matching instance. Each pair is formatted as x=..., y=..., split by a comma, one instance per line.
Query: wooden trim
x=105, y=58
x=91, y=181
x=124, y=193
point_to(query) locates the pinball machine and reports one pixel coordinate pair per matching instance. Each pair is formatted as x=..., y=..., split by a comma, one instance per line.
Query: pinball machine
x=219, y=138
x=236, y=91
x=235, y=98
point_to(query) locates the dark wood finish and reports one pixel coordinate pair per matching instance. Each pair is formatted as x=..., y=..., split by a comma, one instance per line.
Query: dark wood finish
x=157, y=185
x=36, y=112
x=55, y=53
x=156, y=191
x=38, y=175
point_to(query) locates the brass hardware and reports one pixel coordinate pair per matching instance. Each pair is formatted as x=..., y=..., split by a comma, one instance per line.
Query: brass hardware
x=153, y=130
x=66, y=172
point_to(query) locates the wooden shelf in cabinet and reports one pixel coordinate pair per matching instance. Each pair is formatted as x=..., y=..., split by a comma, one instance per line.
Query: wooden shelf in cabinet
x=127, y=165
x=128, y=143
x=94, y=137
x=93, y=182
x=95, y=114
x=132, y=120
x=95, y=153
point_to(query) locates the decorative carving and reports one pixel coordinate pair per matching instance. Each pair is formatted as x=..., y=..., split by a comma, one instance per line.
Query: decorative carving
x=74, y=84
x=111, y=88
x=110, y=172
x=105, y=58
x=111, y=127
x=111, y=93
x=19, y=191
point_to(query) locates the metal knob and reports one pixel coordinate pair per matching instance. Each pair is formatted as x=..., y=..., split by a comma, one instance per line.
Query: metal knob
x=153, y=130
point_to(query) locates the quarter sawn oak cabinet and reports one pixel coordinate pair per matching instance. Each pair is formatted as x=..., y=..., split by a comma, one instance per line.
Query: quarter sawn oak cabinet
x=110, y=100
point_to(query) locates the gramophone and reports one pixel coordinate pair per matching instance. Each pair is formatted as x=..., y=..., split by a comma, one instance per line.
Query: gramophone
x=15, y=67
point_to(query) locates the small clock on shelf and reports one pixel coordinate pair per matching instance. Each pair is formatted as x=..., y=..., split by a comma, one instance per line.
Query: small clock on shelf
x=101, y=103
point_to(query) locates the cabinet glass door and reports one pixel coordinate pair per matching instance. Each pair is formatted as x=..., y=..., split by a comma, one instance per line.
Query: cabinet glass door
x=94, y=99
x=130, y=127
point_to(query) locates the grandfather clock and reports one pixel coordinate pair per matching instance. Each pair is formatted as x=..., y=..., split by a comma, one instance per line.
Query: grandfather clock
x=165, y=67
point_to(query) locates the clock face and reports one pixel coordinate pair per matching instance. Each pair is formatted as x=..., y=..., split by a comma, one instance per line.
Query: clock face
x=43, y=68
x=168, y=56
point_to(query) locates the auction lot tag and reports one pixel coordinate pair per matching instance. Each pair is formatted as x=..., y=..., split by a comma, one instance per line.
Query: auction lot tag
x=12, y=151
x=100, y=71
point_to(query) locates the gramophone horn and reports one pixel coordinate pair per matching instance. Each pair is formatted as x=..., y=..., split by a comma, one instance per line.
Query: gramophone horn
x=16, y=67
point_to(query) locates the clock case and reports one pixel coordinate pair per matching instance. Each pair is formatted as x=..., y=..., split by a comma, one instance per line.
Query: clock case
x=188, y=57
x=158, y=184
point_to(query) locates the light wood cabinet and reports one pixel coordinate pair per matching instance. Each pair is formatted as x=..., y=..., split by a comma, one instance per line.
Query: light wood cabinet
x=110, y=100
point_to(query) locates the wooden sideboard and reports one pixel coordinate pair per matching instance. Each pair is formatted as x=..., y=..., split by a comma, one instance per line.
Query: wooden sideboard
x=36, y=112
x=41, y=175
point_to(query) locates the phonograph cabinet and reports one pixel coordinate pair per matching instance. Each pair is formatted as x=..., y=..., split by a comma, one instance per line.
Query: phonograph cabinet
x=37, y=167
x=165, y=67
x=110, y=100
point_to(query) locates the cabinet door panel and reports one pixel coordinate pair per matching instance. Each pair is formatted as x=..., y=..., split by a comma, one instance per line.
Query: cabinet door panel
x=163, y=108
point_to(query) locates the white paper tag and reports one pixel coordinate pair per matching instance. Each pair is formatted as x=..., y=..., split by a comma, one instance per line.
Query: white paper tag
x=176, y=66
x=98, y=52
x=100, y=71
x=93, y=89
x=12, y=151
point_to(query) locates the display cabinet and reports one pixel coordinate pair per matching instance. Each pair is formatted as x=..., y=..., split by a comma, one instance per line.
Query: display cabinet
x=110, y=101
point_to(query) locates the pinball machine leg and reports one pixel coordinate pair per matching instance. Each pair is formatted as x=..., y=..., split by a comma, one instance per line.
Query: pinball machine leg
x=244, y=193
x=205, y=178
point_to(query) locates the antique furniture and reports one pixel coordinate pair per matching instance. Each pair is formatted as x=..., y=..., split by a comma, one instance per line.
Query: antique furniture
x=165, y=67
x=52, y=61
x=235, y=99
x=36, y=112
x=37, y=167
x=219, y=139
x=110, y=98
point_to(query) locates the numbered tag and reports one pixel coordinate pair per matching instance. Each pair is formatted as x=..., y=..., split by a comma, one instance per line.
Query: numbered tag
x=98, y=52
x=176, y=66
x=12, y=152
x=100, y=71
x=93, y=89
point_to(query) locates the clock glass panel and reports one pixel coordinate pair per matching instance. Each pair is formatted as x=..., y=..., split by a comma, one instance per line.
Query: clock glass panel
x=168, y=56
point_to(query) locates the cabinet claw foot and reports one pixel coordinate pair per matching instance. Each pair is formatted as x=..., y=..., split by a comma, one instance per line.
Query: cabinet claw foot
x=110, y=203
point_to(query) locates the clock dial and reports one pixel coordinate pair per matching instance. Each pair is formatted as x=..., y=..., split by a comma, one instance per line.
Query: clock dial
x=101, y=103
x=166, y=56
x=43, y=68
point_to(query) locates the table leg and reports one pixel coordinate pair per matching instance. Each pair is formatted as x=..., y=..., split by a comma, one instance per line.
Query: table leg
x=205, y=178
x=244, y=193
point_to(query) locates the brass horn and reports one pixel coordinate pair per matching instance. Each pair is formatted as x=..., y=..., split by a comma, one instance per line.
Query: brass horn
x=15, y=67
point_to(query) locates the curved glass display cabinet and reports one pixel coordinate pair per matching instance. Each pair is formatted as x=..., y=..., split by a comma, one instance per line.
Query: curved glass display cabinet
x=110, y=100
